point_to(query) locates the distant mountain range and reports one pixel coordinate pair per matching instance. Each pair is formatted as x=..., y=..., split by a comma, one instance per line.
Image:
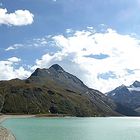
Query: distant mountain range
x=128, y=97
x=54, y=91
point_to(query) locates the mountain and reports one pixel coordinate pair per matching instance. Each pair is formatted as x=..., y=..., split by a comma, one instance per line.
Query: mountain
x=127, y=96
x=53, y=91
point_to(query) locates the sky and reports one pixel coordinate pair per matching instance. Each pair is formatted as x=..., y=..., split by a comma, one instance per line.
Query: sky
x=96, y=40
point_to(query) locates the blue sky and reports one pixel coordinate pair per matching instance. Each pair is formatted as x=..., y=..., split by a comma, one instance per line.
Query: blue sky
x=94, y=39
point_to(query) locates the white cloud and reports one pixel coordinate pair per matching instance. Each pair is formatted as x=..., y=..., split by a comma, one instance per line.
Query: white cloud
x=10, y=48
x=14, y=47
x=14, y=59
x=103, y=60
x=18, y=18
x=9, y=71
x=39, y=42
x=34, y=43
x=121, y=63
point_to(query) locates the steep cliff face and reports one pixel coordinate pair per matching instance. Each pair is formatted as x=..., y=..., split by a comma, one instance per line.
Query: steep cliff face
x=53, y=90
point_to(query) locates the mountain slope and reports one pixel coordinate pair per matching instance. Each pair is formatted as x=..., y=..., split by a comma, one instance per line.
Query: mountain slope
x=128, y=97
x=53, y=91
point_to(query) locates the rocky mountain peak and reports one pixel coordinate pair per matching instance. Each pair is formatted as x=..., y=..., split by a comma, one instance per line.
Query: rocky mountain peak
x=136, y=84
x=56, y=67
x=39, y=72
x=122, y=88
x=53, y=90
x=45, y=72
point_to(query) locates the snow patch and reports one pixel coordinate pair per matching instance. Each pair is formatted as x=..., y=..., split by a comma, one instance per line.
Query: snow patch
x=113, y=94
x=134, y=89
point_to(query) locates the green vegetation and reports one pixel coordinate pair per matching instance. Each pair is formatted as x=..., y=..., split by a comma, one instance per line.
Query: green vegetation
x=56, y=93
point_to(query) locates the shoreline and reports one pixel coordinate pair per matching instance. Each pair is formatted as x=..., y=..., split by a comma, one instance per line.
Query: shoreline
x=6, y=134
x=4, y=117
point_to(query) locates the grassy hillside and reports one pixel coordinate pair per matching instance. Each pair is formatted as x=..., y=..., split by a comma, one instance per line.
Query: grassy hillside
x=53, y=93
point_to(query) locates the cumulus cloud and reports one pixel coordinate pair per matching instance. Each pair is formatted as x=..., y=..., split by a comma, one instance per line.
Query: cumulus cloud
x=112, y=57
x=103, y=59
x=18, y=18
x=9, y=71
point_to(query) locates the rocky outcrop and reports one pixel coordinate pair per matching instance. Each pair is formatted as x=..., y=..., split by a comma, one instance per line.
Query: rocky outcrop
x=6, y=134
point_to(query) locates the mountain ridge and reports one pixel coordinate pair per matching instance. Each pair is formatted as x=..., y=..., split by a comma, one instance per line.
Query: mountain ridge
x=53, y=90
x=128, y=96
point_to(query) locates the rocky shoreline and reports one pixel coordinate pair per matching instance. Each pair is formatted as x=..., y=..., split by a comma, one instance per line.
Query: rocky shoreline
x=6, y=134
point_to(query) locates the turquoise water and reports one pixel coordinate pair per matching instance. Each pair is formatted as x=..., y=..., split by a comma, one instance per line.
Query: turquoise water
x=123, y=128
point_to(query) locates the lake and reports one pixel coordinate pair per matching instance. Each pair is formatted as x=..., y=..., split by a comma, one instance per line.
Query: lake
x=107, y=128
